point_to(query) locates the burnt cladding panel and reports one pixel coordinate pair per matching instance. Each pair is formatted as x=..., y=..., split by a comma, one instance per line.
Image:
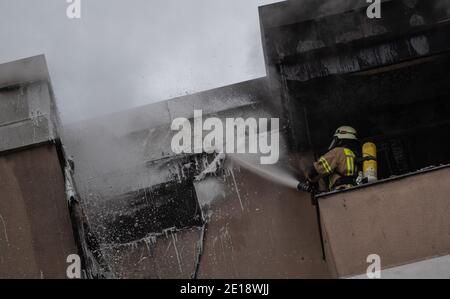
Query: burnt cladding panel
x=152, y=210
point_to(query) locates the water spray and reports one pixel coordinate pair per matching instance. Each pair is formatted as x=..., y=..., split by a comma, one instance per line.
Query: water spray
x=270, y=173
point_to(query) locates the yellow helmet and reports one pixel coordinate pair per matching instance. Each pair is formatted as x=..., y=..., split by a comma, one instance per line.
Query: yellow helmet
x=346, y=132
x=342, y=133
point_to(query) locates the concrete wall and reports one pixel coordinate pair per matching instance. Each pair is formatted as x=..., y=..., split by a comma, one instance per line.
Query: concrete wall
x=36, y=234
x=322, y=44
x=26, y=116
x=256, y=228
x=35, y=230
x=403, y=221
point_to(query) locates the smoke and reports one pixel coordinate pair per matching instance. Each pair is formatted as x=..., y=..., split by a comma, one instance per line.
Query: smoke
x=121, y=55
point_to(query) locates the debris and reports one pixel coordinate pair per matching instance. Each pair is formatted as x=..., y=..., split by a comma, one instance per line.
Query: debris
x=212, y=168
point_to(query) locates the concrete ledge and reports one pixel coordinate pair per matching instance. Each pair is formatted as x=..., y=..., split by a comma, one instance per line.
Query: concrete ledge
x=28, y=114
x=403, y=221
x=23, y=71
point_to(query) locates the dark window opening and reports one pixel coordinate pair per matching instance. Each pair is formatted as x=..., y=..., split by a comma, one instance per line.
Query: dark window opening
x=403, y=109
x=136, y=215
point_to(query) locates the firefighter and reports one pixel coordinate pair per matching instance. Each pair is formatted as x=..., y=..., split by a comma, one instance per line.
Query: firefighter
x=338, y=165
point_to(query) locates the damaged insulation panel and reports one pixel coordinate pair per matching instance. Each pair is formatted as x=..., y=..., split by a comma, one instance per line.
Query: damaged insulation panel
x=135, y=215
x=170, y=254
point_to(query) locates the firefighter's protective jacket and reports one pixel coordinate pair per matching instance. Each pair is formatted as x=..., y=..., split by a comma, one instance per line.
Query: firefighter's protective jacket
x=338, y=165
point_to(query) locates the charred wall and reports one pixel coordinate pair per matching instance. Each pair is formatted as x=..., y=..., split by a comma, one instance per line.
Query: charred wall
x=316, y=56
x=378, y=75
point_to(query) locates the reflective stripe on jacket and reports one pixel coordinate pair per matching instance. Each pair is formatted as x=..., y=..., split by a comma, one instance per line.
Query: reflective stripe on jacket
x=337, y=163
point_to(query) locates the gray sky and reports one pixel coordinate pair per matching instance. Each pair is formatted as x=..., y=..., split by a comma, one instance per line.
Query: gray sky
x=123, y=54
